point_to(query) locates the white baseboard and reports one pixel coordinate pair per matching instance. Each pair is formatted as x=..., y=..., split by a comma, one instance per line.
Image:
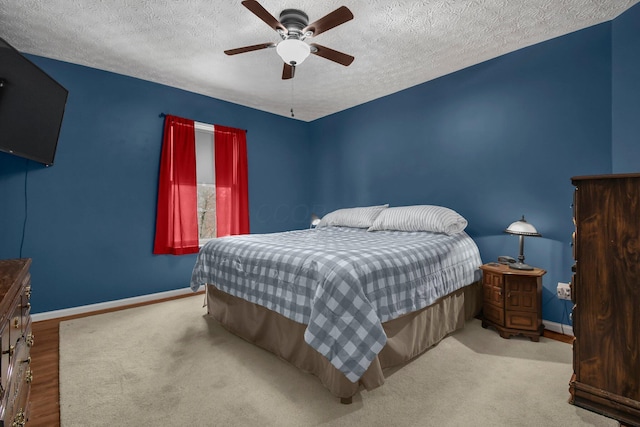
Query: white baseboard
x=552, y=326
x=558, y=327
x=109, y=304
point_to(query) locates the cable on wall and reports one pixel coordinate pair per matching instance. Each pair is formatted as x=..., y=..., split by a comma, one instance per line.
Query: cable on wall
x=24, y=223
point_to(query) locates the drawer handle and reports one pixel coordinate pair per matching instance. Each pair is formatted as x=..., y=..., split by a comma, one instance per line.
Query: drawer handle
x=30, y=338
x=27, y=306
x=27, y=360
x=28, y=377
x=19, y=420
x=27, y=292
x=16, y=323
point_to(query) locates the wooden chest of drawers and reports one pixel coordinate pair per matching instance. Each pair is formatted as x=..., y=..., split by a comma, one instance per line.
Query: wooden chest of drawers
x=16, y=340
x=606, y=292
x=512, y=300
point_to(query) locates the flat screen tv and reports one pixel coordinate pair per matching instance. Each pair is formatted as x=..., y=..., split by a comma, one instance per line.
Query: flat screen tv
x=31, y=108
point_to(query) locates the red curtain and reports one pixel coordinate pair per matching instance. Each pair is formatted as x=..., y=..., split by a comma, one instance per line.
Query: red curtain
x=232, y=195
x=177, y=214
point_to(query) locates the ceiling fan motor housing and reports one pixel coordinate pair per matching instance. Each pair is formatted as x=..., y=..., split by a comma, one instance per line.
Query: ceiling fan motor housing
x=294, y=21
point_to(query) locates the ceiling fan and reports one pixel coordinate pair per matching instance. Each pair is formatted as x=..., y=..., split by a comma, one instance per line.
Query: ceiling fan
x=293, y=28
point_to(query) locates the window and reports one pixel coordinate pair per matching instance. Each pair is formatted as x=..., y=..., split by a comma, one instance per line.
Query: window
x=219, y=173
x=205, y=177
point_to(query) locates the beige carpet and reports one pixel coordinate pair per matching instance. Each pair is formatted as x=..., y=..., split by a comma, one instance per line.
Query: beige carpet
x=168, y=364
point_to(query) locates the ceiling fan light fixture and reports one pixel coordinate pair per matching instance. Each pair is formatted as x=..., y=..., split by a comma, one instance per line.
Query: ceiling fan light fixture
x=293, y=51
x=294, y=28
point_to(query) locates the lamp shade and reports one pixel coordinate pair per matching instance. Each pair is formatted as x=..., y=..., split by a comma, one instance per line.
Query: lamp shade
x=293, y=51
x=522, y=228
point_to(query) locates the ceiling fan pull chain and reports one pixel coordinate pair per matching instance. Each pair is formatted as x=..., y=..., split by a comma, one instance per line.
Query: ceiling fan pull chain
x=292, y=115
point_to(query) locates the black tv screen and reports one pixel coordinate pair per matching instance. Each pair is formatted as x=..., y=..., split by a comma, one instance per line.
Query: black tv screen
x=31, y=108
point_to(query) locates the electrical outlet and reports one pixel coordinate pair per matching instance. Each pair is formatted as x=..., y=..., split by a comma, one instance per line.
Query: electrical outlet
x=564, y=291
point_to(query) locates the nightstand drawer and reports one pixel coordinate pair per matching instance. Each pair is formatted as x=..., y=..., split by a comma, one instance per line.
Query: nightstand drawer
x=492, y=279
x=493, y=314
x=493, y=289
x=522, y=320
x=493, y=295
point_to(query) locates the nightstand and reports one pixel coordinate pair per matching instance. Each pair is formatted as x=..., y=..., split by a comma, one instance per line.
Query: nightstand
x=512, y=300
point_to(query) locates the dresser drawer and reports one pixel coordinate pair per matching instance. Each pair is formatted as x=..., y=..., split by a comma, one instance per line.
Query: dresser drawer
x=25, y=304
x=18, y=391
x=5, y=360
x=10, y=334
x=16, y=323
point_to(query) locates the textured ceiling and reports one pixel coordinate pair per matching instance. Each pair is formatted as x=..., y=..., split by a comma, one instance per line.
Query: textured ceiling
x=397, y=44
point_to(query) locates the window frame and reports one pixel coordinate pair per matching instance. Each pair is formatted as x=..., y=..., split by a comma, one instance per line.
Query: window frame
x=209, y=128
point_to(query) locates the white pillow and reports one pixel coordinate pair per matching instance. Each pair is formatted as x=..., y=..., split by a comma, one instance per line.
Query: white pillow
x=437, y=219
x=352, y=217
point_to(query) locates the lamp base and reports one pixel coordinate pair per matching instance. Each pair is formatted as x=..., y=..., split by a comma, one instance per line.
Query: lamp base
x=520, y=266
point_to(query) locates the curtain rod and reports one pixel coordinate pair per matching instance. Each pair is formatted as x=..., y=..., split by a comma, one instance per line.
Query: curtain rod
x=165, y=115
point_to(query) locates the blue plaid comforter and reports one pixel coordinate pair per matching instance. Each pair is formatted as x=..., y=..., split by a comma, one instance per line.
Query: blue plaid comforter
x=340, y=282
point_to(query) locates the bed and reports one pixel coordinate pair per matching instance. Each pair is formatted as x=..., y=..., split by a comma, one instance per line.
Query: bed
x=343, y=302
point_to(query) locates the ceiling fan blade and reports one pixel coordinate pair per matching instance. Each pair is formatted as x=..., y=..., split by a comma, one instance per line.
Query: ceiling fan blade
x=249, y=48
x=288, y=71
x=335, y=18
x=263, y=14
x=332, y=55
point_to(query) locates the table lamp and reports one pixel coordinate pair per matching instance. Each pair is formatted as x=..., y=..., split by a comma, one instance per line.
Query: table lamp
x=315, y=220
x=522, y=228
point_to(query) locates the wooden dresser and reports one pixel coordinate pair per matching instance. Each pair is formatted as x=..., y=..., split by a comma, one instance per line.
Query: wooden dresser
x=512, y=300
x=605, y=289
x=16, y=341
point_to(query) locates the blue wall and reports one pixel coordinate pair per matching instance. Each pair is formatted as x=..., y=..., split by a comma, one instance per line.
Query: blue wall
x=91, y=216
x=494, y=141
x=626, y=91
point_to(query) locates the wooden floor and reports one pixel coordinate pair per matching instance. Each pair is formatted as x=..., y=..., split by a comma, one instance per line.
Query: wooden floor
x=45, y=398
x=45, y=394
